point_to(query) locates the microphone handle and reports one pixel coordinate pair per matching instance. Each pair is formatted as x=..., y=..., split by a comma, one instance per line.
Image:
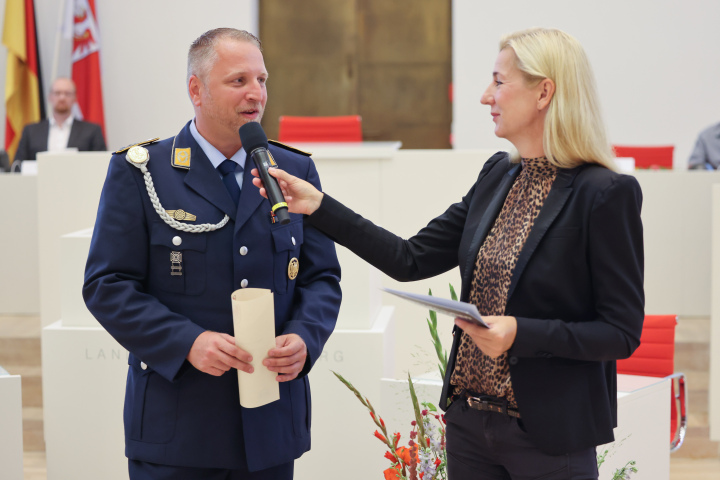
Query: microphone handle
x=277, y=200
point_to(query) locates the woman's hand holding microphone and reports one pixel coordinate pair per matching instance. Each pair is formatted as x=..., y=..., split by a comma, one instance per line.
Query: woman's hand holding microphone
x=301, y=196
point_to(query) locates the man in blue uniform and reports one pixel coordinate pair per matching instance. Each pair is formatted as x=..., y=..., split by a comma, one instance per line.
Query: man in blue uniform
x=169, y=247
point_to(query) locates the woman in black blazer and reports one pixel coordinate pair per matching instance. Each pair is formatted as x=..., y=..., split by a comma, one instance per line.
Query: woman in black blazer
x=550, y=248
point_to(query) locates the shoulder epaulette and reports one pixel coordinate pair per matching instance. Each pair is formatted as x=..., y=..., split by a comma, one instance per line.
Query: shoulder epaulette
x=289, y=148
x=141, y=144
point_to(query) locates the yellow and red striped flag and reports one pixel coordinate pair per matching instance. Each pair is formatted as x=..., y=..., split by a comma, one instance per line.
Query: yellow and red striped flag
x=23, y=83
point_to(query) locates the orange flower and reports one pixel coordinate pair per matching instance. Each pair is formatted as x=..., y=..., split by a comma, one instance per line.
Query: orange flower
x=391, y=473
x=404, y=454
x=390, y=456
x=380, y=436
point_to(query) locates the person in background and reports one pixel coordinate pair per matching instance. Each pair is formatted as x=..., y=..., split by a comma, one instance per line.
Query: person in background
x=550, y=248
x=706, y=154
x=60, y=131
x=160, y=282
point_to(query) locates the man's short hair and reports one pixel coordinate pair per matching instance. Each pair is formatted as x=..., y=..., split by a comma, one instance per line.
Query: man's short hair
x=202, y=55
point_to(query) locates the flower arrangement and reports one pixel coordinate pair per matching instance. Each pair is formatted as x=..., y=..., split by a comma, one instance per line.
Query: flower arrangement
x=425, y=457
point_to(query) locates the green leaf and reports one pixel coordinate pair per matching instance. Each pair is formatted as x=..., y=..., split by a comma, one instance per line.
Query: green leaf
x=418, y=415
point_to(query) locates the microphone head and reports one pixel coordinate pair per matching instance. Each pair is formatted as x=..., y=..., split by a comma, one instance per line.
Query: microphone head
x=253, y=136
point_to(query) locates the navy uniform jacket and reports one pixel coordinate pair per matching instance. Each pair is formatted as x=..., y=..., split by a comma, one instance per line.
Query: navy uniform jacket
x=175, y=414
x=576, y=290
x=85, y=136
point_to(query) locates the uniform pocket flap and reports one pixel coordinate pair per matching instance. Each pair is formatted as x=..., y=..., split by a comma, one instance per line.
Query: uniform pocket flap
x=288, y=237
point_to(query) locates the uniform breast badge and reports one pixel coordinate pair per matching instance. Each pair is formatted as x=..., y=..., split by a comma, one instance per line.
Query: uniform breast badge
x=176, y=263
x=139, y=156
x=293, y=268
x=181, y=215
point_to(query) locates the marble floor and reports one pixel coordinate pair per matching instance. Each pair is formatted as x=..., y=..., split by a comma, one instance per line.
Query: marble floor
x=698, y=459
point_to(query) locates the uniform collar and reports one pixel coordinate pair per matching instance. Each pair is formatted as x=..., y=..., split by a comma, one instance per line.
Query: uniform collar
x=212, y=153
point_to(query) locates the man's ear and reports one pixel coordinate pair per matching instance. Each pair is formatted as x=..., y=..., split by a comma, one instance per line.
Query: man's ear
x=546, y=90
x=195, y=88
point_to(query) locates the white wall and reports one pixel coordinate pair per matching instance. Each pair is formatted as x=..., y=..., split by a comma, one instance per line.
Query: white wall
x=143, y=58
x=656, y=64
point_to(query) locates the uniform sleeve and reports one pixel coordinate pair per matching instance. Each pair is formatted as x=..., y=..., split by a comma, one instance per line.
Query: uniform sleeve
x=116, y=272
x=615, y=256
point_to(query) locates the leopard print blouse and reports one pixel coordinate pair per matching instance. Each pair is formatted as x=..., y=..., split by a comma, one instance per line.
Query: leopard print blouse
x=475, y=371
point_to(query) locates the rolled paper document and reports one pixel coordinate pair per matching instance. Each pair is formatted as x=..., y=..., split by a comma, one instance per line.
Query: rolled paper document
x=254, y=322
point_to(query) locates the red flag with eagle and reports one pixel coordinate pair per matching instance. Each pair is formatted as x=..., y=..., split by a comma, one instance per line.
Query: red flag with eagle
x=86, y=60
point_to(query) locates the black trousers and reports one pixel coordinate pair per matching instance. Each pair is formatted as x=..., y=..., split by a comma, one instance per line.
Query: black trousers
x=152, y=471
x=494, y=446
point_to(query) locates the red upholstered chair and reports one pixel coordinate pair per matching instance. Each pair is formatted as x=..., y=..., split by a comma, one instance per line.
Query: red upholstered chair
x=648, y=157
x=320, y=129
x=655, y=357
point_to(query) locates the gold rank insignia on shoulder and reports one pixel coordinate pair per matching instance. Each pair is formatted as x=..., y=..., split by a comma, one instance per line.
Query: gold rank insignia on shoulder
x=139, y=144
x=289, y=148
x=293, y=268
x=181, y=158
x=181, y=215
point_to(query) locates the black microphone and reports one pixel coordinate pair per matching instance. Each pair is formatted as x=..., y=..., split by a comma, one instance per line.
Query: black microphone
x=255, y=143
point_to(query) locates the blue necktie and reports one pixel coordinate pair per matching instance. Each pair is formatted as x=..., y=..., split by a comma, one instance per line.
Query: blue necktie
x=227, y=169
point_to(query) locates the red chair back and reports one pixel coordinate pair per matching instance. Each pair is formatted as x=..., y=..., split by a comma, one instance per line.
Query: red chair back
x=320, y=129
x=648, y=157
x=655, y=357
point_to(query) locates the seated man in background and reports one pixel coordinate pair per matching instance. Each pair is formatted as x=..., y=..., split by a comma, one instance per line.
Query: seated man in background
x=61, y=131
x=706, y=154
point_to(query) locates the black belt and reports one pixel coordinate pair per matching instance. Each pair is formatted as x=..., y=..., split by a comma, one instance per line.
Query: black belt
x=486, y=403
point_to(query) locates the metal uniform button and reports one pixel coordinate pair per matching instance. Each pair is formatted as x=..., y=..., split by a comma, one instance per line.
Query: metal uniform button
x=244, y=283
x=177, y=241
x=243, y=250
x=143, y=365
x=293, y=240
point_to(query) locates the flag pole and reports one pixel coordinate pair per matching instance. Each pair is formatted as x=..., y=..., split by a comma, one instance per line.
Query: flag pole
x=58, y=36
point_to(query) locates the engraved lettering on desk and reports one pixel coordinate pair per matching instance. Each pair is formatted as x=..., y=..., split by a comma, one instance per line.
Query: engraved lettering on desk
x=102, y=354
x=175, y=263
x=337, y=356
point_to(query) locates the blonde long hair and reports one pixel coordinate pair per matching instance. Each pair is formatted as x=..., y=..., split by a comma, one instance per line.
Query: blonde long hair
x=574, y=132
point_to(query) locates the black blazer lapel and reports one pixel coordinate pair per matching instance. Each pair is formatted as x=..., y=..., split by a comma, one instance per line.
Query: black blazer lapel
x=486, y=223
x=74, y=138
x=42, y=137
x=554, y=203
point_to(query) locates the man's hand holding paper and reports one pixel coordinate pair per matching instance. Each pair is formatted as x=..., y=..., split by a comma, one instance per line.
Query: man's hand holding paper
x=215, y=353
x=287, y=358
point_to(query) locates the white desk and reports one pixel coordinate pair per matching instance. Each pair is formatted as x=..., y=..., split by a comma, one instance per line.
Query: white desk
x=350, y=150
x=19, y=266
x=11, y=432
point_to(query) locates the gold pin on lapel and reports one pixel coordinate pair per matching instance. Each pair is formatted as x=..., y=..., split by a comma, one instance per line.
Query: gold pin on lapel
x=293, y=268
x=181, y=215
x=181, y=159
